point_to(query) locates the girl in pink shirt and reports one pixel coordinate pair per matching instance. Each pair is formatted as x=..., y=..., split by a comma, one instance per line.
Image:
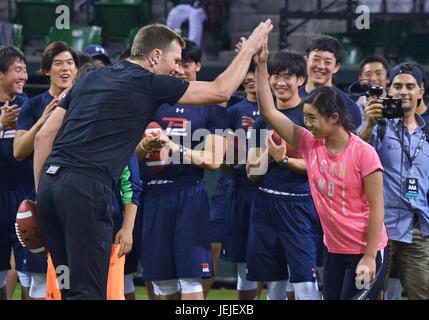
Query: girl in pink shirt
x=345, y=175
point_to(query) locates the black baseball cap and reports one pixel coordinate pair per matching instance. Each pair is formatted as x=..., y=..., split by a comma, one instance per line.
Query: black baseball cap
x=406, y=68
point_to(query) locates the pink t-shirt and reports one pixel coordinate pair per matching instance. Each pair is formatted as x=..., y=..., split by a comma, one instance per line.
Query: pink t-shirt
x=338, y=191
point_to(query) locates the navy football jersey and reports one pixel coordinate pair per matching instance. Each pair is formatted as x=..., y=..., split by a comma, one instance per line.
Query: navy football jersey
x=32, y=110
x=187, y=125
x=236, y=113
x=280, y=178
x=107, y=113
x=14, y=175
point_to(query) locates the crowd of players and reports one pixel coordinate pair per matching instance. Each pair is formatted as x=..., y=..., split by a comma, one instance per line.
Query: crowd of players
x=264, y=212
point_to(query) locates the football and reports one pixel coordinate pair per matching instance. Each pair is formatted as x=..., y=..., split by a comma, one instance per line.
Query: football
x=28, y=229
x=290, y=151
x=157, y=158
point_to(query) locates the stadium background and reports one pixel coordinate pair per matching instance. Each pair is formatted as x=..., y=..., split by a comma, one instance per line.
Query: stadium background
x=398, y=30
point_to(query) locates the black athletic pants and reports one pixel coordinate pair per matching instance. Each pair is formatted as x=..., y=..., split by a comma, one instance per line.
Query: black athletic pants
x=75, y=211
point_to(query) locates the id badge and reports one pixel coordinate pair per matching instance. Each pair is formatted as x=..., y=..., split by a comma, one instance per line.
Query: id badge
x=412, y=187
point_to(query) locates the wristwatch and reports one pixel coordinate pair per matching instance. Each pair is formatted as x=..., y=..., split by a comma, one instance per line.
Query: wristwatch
x=283, y=162
x=182, y=151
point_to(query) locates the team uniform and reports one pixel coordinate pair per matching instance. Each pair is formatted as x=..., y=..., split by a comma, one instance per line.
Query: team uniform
x=218, y=206
x=16, y=185
x=107, y=113
x=285, y=229
x=336, y=182
x=353, y=108
x=30, y=113
x=176, y=233
x=241, y=193
x=131, y=188
x=217, y=201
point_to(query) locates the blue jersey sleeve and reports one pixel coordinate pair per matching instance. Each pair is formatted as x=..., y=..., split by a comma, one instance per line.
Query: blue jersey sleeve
x=131, y=185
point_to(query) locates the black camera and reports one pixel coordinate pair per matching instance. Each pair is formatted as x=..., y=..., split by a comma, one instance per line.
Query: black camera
x=392, y=107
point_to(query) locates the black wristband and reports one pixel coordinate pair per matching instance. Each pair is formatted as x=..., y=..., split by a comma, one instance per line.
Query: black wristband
x=182, y=151
x=283, y=162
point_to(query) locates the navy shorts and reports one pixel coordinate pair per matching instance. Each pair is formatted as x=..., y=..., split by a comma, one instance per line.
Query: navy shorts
x=218, y=207
x=240, y=204
x=176, y=233
x=282, y=232
x=25, y=261
x=339, y=272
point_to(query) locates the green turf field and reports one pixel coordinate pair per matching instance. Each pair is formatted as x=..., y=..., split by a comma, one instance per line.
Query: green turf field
x=214, y=294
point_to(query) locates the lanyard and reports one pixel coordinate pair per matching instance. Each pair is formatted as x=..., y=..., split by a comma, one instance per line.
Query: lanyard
x=407, y=153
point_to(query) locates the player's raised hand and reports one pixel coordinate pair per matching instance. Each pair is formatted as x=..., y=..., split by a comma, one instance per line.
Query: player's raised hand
x=259, y=35
x=49, y=109
x=261, y=57
x=239, y=44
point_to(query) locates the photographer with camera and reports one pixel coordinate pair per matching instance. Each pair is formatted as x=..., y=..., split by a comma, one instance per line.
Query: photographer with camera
x=402, y=143
x=374, y=70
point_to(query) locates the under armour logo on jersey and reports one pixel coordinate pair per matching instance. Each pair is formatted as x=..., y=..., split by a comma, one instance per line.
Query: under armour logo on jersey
x=255, y=113
x=181, y=110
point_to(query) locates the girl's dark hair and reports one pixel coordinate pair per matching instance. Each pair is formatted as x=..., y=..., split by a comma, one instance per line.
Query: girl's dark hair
x=327, y=101
x=51, y=51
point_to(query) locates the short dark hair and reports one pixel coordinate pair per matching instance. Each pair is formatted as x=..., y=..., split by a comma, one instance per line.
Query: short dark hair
x=84, y=69
x=191, y=52
x=83, y=58
x=51, y=51
x=8, y=55
x=252, y=67
x=326, y=43
x=327, y=101
x=292, y=62
x=154, y=36
x=374, y=58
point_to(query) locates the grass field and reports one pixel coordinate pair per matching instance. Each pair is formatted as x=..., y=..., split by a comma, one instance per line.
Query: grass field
x=214, y=294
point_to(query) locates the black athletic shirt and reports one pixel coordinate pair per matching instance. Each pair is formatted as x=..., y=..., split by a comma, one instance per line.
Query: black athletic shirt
x=107, y=113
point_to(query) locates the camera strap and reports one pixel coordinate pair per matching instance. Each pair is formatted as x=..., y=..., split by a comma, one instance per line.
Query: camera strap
x=404, y=149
